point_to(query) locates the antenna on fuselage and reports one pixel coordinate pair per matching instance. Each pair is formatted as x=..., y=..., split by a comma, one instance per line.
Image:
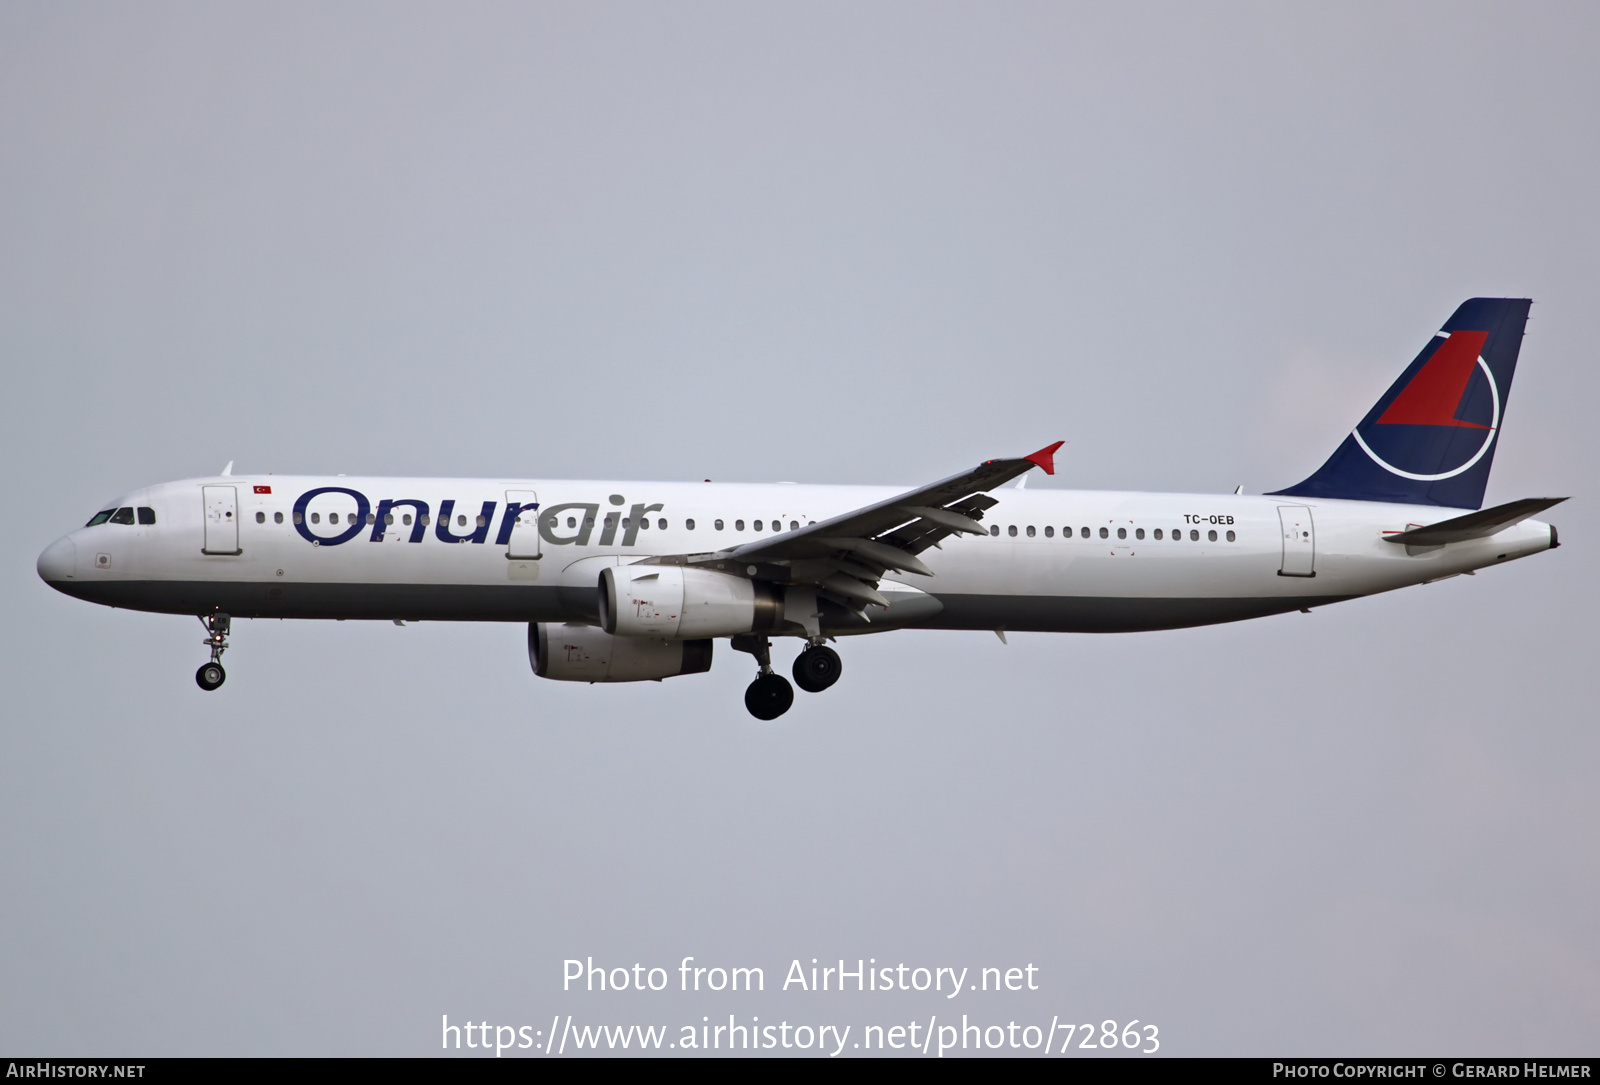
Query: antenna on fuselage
x=228, y=470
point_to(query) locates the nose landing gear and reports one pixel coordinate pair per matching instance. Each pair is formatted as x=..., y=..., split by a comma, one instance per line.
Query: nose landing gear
x=211, y=675
x=770, y=695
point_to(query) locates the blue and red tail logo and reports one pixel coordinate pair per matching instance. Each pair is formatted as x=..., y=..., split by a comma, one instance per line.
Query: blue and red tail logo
x=1430, y=439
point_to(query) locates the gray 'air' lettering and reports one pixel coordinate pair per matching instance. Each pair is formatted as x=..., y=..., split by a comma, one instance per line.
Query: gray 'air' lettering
x=448, y=508
x=632, y=532
x=509, y=521
x=550, y=522
x=608, y=528
x=419, y=525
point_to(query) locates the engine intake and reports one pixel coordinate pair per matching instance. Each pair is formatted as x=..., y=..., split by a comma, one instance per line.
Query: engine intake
x=672, y=601
x=582, y=653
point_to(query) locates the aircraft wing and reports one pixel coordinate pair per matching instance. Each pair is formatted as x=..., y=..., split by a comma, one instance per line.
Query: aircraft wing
x=1474, y=525
x=845, y=556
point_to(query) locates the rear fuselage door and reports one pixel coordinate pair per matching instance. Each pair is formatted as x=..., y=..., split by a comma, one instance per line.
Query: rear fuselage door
x=1299, y=541
x=524, y=543
x=222, y=520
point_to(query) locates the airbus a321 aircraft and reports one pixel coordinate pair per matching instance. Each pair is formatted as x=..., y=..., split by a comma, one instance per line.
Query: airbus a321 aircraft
x=635, y=581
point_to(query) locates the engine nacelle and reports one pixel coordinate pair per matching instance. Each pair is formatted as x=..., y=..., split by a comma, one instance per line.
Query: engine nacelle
x=582, y=653
x=672, y=601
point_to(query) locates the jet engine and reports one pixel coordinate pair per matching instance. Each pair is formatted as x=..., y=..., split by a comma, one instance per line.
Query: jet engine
x=582, y=653
x=672, y=601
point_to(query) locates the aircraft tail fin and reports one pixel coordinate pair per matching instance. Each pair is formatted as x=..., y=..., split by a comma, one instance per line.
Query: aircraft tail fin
x=1430, y=439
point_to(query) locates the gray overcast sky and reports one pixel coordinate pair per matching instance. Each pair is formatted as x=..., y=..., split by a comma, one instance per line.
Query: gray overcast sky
x=856, y=242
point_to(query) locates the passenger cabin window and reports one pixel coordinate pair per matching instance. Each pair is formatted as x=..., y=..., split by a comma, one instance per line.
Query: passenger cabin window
x=1211, y=536
x=738, y=525
x=757, y=525
x=1083, y=533
x=100, y=518
x=717, y=524
x=406, y=519
x=1122, y=533
x=689, y=524
x=122, y=516
x=316, y=518
x=661, y=525
x=147, y=515
x=1012, y=531
x=277, y=518
x=1158, y=534
x=794, y=525
x=1049, y=532
x=1104, y=534
x=1030, y=531
x=1230, y=536
x=994, y=529
x=1138, y=533
x=261, y=517
x=1194, y=536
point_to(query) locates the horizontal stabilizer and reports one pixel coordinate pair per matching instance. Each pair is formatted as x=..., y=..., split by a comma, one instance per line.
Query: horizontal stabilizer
x=1475, y=525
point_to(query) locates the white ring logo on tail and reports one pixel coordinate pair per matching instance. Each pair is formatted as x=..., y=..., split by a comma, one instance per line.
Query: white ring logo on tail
x=1494, y=427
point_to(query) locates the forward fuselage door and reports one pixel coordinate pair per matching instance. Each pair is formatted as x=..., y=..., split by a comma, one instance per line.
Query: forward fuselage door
x=222, y=520
x=524, y=545
x=1299, y=541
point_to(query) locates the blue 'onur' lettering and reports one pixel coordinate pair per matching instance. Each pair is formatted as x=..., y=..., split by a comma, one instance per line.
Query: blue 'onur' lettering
x=419, y=524
x=509, y=520
x=447, y=510
x=363, y=506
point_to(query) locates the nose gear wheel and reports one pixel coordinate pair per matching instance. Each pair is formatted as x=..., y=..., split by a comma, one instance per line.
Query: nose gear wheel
x=211, y=675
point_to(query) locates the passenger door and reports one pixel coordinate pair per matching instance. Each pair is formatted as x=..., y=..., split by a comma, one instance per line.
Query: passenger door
x=1299, y=541
x=524, y=544
x=222, y=520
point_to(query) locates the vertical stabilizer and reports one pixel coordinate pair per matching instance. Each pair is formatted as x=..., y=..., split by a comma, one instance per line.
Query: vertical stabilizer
x=1430, y=439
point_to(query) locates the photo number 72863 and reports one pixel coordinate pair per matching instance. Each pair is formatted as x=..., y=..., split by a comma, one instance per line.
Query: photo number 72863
x=1133, y=1036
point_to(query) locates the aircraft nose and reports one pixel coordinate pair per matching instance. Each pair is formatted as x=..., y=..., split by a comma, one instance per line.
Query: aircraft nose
x=59, y=561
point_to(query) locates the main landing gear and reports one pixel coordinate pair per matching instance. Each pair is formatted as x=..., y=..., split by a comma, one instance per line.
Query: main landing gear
x=211, y=675
x=817, y=668
x=771, y=695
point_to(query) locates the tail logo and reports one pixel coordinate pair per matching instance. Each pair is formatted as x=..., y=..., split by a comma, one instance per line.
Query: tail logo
x=1433, y=397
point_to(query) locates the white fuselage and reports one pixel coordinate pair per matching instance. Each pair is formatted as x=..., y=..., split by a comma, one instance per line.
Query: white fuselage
x=1063, y=560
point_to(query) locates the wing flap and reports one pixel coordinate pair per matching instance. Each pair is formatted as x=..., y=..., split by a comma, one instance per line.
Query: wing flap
x=845, y=557
x=915, y=505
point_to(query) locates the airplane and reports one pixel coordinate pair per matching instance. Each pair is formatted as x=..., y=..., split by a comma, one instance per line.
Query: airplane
x=636, y=581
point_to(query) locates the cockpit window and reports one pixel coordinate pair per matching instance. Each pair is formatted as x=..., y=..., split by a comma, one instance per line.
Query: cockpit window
x=100, y=518
x=147, y=515
x=122, y=516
